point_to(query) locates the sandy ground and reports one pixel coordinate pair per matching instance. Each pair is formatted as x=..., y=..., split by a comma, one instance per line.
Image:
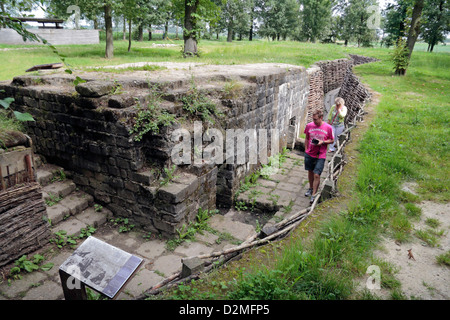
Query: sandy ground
x=421, y=276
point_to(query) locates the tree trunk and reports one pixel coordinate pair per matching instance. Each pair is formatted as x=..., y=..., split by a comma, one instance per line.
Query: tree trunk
x=190, y=24
x=414, y=29
x=149, y=32
x=250, y=36
x=109, y=52
x=141, y=33
x=3, y=18
x=230, y=32
x=124, y=35
x=166, y=30
x=129, y=34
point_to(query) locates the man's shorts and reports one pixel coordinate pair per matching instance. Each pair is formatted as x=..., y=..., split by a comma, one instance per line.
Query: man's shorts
x=314, y=164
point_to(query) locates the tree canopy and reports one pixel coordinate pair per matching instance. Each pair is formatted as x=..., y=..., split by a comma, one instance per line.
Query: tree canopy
x=303, y=20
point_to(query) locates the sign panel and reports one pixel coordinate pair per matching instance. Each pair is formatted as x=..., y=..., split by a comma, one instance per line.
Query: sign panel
x=101, y=266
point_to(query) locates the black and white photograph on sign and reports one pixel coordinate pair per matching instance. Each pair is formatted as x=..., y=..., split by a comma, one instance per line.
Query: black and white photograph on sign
x=101, y=266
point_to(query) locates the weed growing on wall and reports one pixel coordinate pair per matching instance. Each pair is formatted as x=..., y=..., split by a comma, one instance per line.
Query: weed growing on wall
x=151, y=117
x=199, y=105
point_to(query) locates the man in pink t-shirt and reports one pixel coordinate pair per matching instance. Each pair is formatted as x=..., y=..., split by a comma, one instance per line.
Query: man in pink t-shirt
x=319, y=135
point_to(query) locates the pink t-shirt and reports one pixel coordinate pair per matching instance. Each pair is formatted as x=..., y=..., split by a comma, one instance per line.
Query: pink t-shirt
x=324, y=132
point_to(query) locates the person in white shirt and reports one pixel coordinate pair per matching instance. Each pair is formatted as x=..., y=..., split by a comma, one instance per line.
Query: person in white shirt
x=336, y=118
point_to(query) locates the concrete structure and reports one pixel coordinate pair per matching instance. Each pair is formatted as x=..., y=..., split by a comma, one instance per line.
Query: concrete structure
x=53, y=36
x=88, y=130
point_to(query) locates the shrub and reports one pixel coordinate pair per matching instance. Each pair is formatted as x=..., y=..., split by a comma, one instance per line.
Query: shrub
x=400, y=57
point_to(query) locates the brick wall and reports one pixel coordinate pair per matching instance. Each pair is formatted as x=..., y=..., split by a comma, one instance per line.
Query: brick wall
x=88, y=134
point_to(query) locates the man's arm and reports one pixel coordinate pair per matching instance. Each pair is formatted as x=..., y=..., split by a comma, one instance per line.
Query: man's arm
x=327, y=141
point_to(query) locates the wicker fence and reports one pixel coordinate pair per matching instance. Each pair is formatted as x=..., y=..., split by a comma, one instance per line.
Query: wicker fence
x=23, y=227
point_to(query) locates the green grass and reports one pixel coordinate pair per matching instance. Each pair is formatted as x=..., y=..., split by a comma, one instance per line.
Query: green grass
x=15, y=62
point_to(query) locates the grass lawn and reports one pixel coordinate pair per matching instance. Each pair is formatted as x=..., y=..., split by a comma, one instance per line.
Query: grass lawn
x=15, y=62
x=405, y=138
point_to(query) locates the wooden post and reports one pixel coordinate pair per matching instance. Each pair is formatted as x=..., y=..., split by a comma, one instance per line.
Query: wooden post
x=29, y=168
x=73, y=288
x=1, y=179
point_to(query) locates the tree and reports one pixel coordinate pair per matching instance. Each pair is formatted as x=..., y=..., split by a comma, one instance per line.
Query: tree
x=355, y=22
x=12, y=8
x=414, y=28
x=436, y=22
x=395, y=22
x=190, y=32
x=278, y=18
x=235, y=14
x=314, y=19
x=194, y=12
x=91, y=10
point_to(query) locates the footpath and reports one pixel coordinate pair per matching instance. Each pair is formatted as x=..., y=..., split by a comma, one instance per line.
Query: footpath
x=263, y=201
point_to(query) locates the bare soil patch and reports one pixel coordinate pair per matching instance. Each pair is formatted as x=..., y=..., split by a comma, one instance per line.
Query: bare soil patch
x=421, y=276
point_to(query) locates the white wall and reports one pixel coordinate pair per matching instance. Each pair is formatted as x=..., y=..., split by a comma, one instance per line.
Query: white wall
x=53, y=36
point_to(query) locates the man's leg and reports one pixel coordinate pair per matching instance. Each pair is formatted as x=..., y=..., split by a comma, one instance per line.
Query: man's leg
x=311, y=179
x=316, y=177
x=316, y=182
x=309, y=166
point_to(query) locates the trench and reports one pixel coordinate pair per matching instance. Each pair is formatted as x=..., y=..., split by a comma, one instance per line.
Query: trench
x=86, y=131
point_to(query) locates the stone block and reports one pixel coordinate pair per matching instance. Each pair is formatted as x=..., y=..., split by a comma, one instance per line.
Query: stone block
x=267, y=230
x=72, y=226
x=57, y=213
x=93, y=217
x=95, y=88
x=176, y=192
x=59, y=188
x=120, y=102
x=146, y=177
x=328, y=190
x=191, y=266
x=77, y=202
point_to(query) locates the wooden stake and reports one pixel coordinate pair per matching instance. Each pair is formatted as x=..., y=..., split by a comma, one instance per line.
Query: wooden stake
x=1, y=179
x=29, y=168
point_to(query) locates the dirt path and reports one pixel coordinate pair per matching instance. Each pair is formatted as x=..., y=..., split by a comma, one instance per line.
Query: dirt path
x=420, y=274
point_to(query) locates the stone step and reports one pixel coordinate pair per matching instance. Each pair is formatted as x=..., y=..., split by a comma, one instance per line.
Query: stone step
x=70, y=205
x=225, y=223
x=58, y=189
x=89, y=217
x=68, y=208
x=47, y=173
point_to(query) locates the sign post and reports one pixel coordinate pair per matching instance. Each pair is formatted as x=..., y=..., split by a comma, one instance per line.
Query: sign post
x=98, y=265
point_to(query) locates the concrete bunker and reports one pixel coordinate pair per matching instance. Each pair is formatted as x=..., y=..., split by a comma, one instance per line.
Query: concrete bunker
x=88, y=129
